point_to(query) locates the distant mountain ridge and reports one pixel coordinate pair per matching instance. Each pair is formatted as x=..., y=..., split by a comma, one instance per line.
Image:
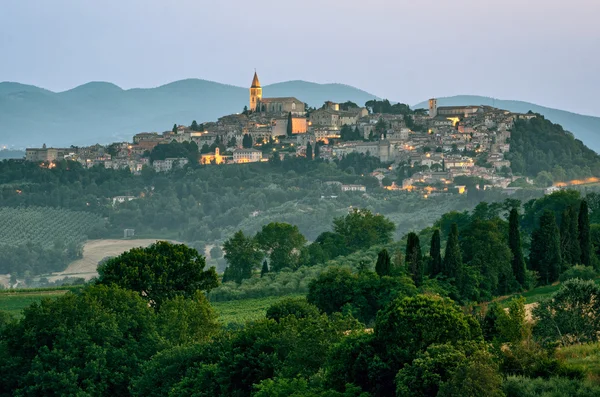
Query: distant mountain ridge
x=100, y=112
x=585, y=128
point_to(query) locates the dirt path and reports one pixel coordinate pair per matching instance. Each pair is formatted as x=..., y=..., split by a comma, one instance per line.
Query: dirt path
x=96, y=250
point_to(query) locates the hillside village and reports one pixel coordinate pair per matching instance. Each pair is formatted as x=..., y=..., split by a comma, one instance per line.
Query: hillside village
x=430, y=147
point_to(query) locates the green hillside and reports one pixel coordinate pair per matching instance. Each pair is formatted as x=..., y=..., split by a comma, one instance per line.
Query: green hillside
x=585, y=128
x=99, y=112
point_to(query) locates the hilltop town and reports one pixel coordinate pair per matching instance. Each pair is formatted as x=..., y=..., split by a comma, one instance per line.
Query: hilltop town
x=431, y=148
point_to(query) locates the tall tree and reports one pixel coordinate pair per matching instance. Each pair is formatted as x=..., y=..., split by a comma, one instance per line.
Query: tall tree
x=569, y=240
x=545, y=256
x=290, y=125
x=452, y=265
x=265, y=269
x=514, y=243
x=247, y=141
x=414, y=258
x=309, y=151
x=383, y=267
x=584, y=234
x=174, y=129
x=243, y=256
x=317, y=153
x=194, y=126
x=435, y=253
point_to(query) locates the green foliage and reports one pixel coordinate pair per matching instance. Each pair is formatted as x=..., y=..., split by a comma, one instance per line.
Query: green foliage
x=477, y=376
x=517, y=386
x=545, y=256
x=435, y=254
x=184, y=321
x=539, y=145
x=584, y=234
x=414, y=258
x=452, y=265
x=280, y=241
x=514, y=243
x=571, y=316
x=384, y=106
x=361, y=229
x=579, y=271
x=247, y=141
x=188, y=150
x=92, y=343
x=297, y=307
x=383, y=266
x=242, y=255
x=569, y=237
x=309, y=151
x=159, y=272
x=412, y=324
x=265, y=269
x=362, y=294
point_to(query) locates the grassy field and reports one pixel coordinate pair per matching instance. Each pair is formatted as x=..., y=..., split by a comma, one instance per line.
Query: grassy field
x=232, y=312
x=238, y=312
x=586, y=357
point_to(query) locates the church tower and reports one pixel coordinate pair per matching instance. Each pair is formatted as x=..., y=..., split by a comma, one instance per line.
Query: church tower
x=255, y=93
x=433, y=110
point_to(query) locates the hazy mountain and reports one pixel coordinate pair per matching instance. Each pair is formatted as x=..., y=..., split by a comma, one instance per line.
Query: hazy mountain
x=585, y=128
x=103, y=112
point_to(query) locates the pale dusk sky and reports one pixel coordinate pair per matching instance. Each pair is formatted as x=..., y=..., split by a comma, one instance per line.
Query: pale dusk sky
x=541, y=51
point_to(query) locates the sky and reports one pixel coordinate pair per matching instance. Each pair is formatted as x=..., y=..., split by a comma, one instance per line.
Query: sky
x=540, y=51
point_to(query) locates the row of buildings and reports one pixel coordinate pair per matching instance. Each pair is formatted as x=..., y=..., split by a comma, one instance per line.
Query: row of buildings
x=443, y=142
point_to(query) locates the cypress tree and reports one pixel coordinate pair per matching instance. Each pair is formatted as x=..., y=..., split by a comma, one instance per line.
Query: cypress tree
x=569, y=241
x=452, y=264
x=290, y=130
x=227, y=275
x=309, y=151
x=414, y=258
x=585, y=242
x=397, y=263
x=383, y=267
x=174, y=129
x=435, y=253
x=265, y=269
x=545, y=255
x=194, y=126
x=317, y=150
x=514, y=242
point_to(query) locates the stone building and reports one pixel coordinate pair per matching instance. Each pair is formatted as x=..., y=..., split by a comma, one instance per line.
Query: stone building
x=272, y=105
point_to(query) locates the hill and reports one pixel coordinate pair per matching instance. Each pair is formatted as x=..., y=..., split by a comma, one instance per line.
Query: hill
x=585, y=128
x=100, y=112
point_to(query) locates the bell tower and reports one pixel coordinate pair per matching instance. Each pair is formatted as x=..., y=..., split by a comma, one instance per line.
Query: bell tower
x=255, y=93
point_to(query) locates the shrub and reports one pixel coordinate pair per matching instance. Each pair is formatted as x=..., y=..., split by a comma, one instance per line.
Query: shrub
x=579, y=271
x=517, y=386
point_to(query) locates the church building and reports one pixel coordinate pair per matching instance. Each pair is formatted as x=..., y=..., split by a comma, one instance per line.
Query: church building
x=273, y=105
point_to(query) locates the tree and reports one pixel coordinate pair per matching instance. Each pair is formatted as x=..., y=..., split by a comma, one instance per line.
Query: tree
x=383, y=266
x=570, y=316
x=414, y=258
x=381, y=128
x=514, y=243
x=93, y=342
x=317, y=153
x=477, y=376
x=174, y=130
x=242, y=255
x=194, y=126
x=247, y=141
x=159, y=272
x=282, y=242
x=309, y=151
x=435, y=253
x=265, y=268
x=290, y=125
x=297, y=307
x=569, y=241
x=545, y=256
x=361, y=229
x=584, y=234
x=452, y=265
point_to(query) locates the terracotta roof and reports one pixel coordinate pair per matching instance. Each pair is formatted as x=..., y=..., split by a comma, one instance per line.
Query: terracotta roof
x=255, y=82
x=282, y=99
